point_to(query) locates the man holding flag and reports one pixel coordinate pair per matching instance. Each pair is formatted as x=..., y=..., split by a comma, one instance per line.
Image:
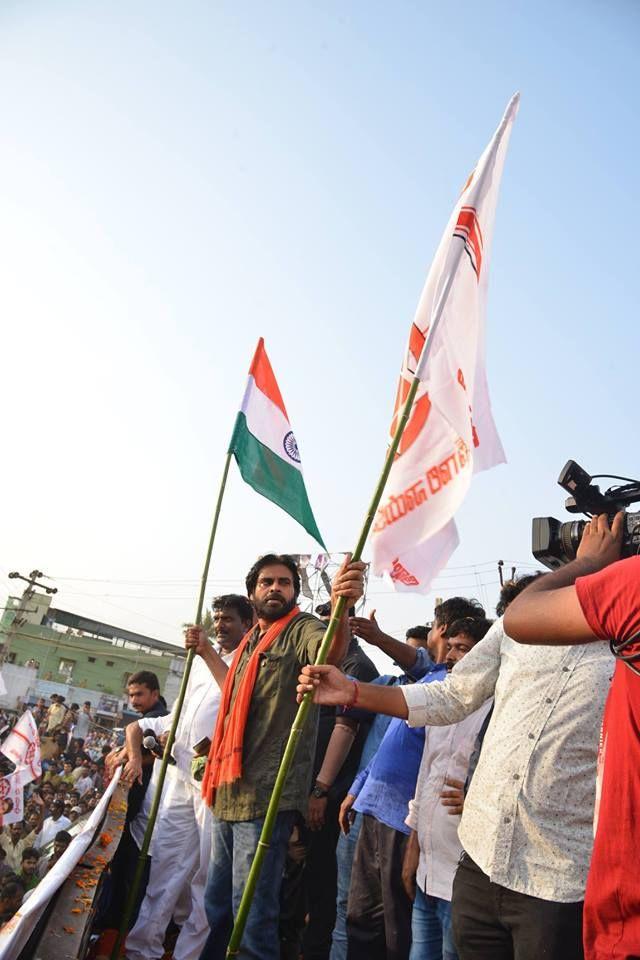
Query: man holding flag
x=258, y=690
x=442, y=429
x=256, y=713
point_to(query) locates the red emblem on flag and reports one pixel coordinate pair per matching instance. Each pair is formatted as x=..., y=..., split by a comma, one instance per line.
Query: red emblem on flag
x=417, y=419
x=401, y=575
x=468, y=230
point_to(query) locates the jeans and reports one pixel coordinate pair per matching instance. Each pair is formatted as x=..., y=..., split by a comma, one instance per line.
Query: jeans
x=491, y=922
x=233, y=846
x=431, y=929
x=344, y=855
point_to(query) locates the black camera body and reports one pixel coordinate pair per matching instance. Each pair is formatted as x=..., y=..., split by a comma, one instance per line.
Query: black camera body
x=555, y=543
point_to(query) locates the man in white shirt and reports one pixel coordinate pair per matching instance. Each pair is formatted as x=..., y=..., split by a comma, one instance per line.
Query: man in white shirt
x=82, y=725
x=57, y=821
x=527, y=826
x=433, y=849
x=84, y=783
x=179, y=863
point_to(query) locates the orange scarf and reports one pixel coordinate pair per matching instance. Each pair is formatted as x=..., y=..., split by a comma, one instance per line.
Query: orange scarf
x=224, y=764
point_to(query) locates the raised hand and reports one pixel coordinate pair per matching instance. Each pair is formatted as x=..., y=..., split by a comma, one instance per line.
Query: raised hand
x=349, y=581
x=367, y=628
x=196, y=639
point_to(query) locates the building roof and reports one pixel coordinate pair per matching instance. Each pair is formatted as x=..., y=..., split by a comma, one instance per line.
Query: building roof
x=67, y=619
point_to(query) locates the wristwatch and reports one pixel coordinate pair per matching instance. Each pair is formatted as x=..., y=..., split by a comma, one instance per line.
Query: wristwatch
x=319, y=792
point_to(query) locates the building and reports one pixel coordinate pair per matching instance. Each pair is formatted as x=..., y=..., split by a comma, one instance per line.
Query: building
x=47, y=650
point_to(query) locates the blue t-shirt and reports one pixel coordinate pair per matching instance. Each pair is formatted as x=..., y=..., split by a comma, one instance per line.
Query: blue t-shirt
x=385, y=786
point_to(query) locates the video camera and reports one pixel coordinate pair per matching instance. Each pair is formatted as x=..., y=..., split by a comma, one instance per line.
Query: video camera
x=555, y=543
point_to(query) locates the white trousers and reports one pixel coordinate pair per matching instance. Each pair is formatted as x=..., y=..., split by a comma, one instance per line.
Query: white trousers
x=178, y=874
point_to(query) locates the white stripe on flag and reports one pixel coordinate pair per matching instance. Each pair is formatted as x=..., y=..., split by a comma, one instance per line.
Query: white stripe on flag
x=266, y=422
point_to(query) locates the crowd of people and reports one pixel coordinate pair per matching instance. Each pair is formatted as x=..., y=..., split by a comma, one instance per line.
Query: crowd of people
x=69, y=788
x=443, y=810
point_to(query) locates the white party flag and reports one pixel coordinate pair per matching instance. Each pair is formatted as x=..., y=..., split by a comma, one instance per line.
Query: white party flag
x=450, y=434
x=22, y=746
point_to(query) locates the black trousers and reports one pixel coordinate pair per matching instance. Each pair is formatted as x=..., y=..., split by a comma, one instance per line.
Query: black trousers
x=321, y=878
x=120, y=878
x=493, y=923
x=378, y=909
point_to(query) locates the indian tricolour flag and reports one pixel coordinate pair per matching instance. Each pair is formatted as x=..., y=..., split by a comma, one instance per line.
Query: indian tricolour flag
x=265, y=447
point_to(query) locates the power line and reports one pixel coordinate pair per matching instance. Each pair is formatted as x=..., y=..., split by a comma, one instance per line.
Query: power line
x=176, y=580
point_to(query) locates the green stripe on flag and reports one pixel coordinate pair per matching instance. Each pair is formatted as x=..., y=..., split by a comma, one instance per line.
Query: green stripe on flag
x=272, y=477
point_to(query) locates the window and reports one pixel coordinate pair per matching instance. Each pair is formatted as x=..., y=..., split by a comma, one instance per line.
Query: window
x=91, y=659
x=110, y=663
x=65, y=667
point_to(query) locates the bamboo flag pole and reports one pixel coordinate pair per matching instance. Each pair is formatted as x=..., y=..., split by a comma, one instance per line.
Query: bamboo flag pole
x=177, y=710
x=264, y=842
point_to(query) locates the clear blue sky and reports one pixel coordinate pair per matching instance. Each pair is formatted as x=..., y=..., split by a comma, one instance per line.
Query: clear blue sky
x=179, y=179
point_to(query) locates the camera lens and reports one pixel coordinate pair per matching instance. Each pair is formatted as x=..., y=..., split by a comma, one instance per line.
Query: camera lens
x=570, y=536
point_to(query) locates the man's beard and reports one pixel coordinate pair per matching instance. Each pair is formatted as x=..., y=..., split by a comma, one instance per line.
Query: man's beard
x=266, y=611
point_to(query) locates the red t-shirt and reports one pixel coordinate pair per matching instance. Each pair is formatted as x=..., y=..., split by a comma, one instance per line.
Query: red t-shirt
x=610, y=601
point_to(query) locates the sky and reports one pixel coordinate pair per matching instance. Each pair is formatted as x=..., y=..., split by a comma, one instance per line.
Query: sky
x=177, y=180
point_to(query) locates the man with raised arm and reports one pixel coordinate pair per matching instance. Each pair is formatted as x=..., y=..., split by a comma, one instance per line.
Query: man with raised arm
x=378, y=909
x=256, y=714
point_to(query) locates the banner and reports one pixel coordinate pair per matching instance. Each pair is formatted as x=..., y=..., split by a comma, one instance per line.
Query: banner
x=15, y=933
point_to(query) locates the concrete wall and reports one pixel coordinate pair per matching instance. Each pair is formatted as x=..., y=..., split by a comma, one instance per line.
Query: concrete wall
x=17, y=680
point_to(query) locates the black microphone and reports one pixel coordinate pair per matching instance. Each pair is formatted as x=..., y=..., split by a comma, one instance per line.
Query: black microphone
x=150, y=743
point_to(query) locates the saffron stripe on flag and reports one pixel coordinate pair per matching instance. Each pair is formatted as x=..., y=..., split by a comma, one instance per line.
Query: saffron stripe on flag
x=264, y=378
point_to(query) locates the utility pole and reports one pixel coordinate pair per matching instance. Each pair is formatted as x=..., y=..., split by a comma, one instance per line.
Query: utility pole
x=19, y=619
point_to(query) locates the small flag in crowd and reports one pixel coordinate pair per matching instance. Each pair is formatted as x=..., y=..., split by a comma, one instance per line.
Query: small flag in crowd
x=450, y=434
x=265, y=447
x=12, y=798
x=22, y=746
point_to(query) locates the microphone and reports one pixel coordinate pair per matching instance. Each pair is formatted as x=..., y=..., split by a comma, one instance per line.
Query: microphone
x=150, y=743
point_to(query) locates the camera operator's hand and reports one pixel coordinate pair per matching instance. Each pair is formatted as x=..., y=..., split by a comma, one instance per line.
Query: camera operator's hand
x=600, y=545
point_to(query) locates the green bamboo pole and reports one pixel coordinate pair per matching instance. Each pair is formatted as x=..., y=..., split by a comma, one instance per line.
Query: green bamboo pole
x=264, y=842
x=142, y=859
